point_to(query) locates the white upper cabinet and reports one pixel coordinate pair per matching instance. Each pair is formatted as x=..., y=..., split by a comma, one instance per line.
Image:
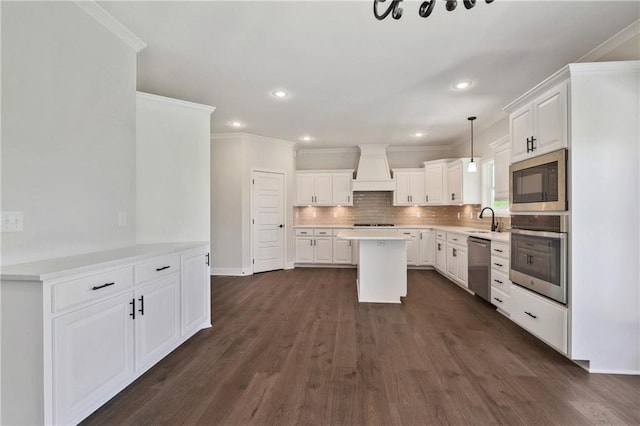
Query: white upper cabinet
x=342, y=192
x=435, y=182
x=463, y=187
x=324, y=188
x=539, y=122
x=409, y=187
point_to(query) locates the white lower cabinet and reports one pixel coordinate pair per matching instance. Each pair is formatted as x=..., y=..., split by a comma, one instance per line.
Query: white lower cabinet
x=427, y=248
x=342, y=251
x=457, y=258
x=540, y=316
x=441, y=252
x=413, y=246
x=501, y=300
x=314, y=245
x=93, y=354
x=500, y=283
x=88, y=330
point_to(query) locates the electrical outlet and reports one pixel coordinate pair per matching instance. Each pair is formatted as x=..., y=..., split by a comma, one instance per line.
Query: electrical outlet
x=12, y=221
x=313, y=214
x=458, y=215
x=122, y=219
x=417, y=214
x=470, y=215
x=335, y=214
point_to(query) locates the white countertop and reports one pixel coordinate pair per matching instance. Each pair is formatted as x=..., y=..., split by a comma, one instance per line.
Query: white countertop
x=53, y=268
x=372, y=234
x=463, y=230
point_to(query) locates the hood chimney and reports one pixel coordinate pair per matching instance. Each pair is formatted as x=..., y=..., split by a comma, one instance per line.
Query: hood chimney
x=373, y=172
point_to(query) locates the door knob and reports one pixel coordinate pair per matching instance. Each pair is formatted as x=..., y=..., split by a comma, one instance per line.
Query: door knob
x=280, y=226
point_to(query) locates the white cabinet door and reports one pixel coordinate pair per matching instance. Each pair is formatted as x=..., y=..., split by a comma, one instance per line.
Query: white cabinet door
x=502, y=160
x=434, y=183
x=323, y=189
x=550, y=118
x=413, y=245
x=92, y=356
x=462, y=269
x=195, y=290
x=521, y=123
x=427, y=248
x=441, y=256
x=452, y=262
x=402, y=193
x=323, y=250
x=304, y=249
x=454, y=183
x=342, y=251
x=417, y=188
x=342, y=194
x=157, y=320
x=306, y=187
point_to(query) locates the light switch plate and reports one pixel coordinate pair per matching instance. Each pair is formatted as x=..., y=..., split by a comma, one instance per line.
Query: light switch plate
x=12, y=221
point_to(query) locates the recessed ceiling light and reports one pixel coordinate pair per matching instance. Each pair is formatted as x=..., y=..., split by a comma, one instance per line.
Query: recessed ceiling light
x=462, y=85
x=306, y=138
x=279, y=93
x=237, y=124
x=418, y=134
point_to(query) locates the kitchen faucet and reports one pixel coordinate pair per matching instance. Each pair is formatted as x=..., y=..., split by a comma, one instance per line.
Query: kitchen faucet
x=494, y=225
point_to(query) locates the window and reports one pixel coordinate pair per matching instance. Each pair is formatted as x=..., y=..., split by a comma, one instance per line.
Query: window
x=501, y=207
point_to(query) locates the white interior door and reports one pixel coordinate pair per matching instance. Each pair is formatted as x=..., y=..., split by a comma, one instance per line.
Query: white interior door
x=268, y=221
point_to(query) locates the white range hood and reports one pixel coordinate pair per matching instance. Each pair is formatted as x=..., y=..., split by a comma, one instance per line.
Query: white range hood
x=373, y=172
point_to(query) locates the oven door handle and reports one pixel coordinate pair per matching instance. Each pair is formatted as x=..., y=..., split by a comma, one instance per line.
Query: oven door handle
x=546, y=234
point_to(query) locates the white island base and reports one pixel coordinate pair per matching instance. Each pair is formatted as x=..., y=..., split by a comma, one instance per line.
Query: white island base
x=382, y=264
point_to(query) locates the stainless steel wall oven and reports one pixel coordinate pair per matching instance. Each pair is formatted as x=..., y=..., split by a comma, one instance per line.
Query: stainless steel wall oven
x=539, y=254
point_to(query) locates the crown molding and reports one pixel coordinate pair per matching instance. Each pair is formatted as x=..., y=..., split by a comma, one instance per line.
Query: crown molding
x=309, y=151
x=94, y=10
x=258, y=138
x=612, y=43
x=178, y=102
x=418, y=148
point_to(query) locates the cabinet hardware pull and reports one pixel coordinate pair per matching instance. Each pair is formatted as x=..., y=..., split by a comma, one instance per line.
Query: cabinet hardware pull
x=281, y=226
x=498, y=250
x=498, y=281
x=426, y=198
x=208, y=260
x=455, y=252
x=163, y=268
x=98, y=287
x=133, y=308
x=530, y=314
x=533, y=148
x=453, y=196
x=498, y=299
x=528, y=145
x=141, y=310
x=439, y=249
x=498, y=264
x=350, y=243
x=310, y=242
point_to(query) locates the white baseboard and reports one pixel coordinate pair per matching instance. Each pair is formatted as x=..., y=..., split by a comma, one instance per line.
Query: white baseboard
x=234, y=272
x=289, y=265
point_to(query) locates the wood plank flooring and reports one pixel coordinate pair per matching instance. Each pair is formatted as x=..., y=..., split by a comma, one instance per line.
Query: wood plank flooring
x=296, y=348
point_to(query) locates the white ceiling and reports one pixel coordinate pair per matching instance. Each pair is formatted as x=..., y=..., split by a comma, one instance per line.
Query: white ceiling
x=353, y=79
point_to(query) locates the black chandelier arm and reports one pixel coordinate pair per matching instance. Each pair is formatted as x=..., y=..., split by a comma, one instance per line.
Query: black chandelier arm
x=393, y=7
x=426, y=7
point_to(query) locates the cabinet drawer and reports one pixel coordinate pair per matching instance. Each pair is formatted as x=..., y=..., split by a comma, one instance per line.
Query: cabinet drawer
x=325, y=231
x=501, y=300
x=413, y=234
x=304, y=231
x=89, y=289
x=500, y=249
x=500, y=281
x=156, y=268
x=441, y=235
x=457, y=239
x=500, y=264
x=336, y=231
x=541, y=317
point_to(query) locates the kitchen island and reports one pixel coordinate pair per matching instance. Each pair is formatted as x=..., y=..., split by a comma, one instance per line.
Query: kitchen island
x=382, y=264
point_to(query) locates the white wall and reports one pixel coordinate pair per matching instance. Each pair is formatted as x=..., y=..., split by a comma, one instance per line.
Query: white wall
x=68, y=134
x=233, y=157
x=482, y=137
x=172, y=169
x=605, y=212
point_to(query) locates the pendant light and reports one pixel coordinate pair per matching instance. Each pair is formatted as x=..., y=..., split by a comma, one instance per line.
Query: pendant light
x=472, y=165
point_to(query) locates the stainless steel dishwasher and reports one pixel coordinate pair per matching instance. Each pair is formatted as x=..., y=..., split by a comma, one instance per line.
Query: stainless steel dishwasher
x=479, y=263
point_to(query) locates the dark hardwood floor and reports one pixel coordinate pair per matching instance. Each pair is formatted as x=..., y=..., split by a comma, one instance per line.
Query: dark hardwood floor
x=296, y=348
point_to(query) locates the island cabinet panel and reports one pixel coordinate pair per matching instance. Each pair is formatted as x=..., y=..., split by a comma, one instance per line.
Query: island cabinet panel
x=77, y=330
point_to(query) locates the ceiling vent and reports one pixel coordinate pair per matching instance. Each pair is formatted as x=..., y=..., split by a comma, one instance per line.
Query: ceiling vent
x=373, y=172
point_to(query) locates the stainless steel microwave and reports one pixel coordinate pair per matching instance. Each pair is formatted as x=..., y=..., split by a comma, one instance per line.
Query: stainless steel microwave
x=539, y=184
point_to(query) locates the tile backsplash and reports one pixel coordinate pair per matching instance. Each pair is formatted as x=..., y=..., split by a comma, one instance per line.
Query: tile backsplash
x=377, y=207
